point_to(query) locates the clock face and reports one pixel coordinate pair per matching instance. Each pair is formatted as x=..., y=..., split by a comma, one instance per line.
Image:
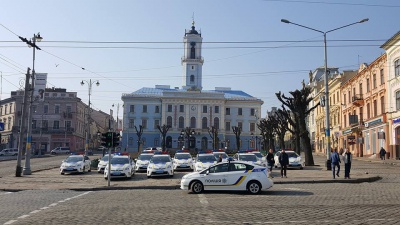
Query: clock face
x=193, y=107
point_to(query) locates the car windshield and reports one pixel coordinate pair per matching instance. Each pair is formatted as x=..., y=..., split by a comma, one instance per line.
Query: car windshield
x=145, y=157
x=105, y=158
x=292, y=154
x=119, y=160
x=224, y=156
x=206, y=158
x=248, y=158
x=183, y=156
x=160, y=159
x=74, y=159
x=259, y=155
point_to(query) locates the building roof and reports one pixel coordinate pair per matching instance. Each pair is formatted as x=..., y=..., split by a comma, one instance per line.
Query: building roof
x=389, y=42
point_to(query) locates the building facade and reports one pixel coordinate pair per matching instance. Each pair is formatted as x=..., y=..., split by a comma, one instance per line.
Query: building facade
x=190, y=108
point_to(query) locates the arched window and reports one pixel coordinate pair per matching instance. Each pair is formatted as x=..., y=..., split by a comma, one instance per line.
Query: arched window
x=216, y=123
x=191, y=78
x=169, y=121
x=192, y=50
x=193, y=122
x=204, y=123
x=181, y=122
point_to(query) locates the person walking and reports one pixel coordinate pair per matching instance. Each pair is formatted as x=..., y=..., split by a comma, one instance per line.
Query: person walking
x=284, y=161
x=270, y=161
x=348, y=157
x=382, y=153
x=335, y=161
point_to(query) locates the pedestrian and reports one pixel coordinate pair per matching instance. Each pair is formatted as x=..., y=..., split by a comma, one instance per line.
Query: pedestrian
x=347, y=163
x=270, y=161
x=382, y=153
x=219, y=158
x=284, y=161
x=335, y=161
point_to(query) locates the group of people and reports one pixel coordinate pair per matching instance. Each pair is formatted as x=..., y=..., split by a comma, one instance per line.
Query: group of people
x=335, y=162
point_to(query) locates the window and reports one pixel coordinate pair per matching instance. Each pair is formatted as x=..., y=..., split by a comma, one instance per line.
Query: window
x=46, y=109
x=33, y=124
x=240, y=124
x=181, y=108
x=57, y=109
x=216, y=109
x=216, y=123
x=240, y=111
x=69, y=109
x=227, y=126
x=204, y=123
x=374, y=81
x=368, y=111
x=169, y=121
x=191, y=78
x=368, y=90
x=193, y=122
x=397, y=67
x=144, y=123
x=67, y=124
x=382, y=77
x=157, y=109
x=344, y=98
x=333, y=99
x=131, y=123
x=397, y=100
x=375, y=108
x=11, y=107
x=181, y=122
x=252, y=112
x=337, y=95
x=56, y=124
x=360, y=87
x=349, y=96
x=156, y=124
x=45, y=124
x=344, y=120
x=382, y=104
x=1, y=111
x=228, y=111
x=169, y=108
x=252, y=127
x=205, y=109
x=132, y=108
x=192, y=67
x=361, y=114
x=145, y=108
x=221, y=168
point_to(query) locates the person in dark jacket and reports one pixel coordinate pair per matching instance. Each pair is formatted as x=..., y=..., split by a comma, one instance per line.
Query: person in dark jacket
x=335, y=161
x=347, y=163
x=219, y=158
x=270, y=161
x=284, y=161
x=382, y=153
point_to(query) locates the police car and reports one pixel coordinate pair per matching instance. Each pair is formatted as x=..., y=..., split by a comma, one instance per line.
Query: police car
x=247, y=157
x=204, y=160
x=75, y=164
x=224, y=155
x=102, y=163
x=295, y=160
x=262, y=160
x=231, y=175
x=121, y=167
x=143, y=161
x=160, y=165
x=183, y=160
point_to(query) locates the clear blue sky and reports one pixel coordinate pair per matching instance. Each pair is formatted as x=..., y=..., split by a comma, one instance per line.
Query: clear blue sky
x=261, y=68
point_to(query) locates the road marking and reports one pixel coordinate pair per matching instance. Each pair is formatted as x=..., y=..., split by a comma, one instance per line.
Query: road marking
x=54, y=204
x=5, y=193
x=35, y=211
x=46, y=207
x=23, y=216
x=10, y=222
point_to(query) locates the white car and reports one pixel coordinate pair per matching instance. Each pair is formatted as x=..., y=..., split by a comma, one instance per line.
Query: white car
x=262, y=160
x=9, y=152
x=60, y=150
x=160, y=165
x=224, y=156
x=143, y=161
x=183, y=160
x=295, y=160
x=204, y=161
x=75, y=164
x=232, y=175
x=249, y=158
x=121, y=167
x=102, y=163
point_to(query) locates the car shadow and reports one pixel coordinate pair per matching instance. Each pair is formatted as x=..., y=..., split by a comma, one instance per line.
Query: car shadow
x=268, y=192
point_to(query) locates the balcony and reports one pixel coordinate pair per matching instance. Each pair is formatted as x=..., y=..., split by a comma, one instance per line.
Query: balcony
x=358, y=100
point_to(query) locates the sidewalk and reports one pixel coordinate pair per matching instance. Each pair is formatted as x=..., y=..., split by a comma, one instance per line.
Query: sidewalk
x=51, y=179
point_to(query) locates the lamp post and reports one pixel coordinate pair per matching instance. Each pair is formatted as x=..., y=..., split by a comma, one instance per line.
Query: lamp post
x=89, y=83
x=327, y=131
x=188, y=133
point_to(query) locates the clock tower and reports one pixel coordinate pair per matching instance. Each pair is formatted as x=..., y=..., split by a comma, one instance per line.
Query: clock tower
x=192, y=60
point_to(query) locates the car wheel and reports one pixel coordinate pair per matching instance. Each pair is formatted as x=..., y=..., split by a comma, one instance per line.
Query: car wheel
x=62, y=173
x=197, y=187
x=90, y=170
x=254, y=187
x=148, y=177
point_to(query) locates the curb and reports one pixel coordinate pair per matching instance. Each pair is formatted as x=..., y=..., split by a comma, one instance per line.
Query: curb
x=175, y=187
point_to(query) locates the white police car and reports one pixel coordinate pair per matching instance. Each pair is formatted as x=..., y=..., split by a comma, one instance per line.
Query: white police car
x=160, y=165
x=121, y=167
x=224, y=155
x=295, y=160
x=102, y=163
x=204, y=161
x=183, y=161
x=248, y=157
x=262, y=160
x=143, y=161
x=75, y=164
x=231, y=175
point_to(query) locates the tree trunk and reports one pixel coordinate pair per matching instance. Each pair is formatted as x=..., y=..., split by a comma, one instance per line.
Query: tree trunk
x=297, y=143
x=305, y=139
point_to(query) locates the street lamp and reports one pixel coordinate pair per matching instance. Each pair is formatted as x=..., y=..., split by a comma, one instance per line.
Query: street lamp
x=188, y=133
x=89, y=83
x=327, y=131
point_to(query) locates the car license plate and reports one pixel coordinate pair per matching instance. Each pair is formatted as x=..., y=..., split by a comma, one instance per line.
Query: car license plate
x=116, y=173
x=184, y=165
x=160, y=171
x=69, y=169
